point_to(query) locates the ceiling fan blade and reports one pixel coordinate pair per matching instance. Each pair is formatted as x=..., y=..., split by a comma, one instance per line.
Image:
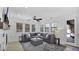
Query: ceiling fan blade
x=3, y=13
x=7, y=10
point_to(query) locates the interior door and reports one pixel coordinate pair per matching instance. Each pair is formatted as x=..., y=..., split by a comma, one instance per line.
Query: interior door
x=70, y=32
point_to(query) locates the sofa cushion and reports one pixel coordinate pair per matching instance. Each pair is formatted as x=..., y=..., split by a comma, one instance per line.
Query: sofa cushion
x=28, y=35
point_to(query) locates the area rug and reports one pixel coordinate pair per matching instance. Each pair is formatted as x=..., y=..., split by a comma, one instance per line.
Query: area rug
x=43, y=47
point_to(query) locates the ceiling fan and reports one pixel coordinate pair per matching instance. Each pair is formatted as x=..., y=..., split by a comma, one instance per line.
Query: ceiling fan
x=5, y=15
x=38, y=20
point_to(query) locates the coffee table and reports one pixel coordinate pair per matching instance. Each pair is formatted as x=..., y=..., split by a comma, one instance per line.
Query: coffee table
x=36, y=41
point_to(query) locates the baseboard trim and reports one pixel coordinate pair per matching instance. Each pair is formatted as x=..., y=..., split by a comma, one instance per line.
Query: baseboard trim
x=72, y=45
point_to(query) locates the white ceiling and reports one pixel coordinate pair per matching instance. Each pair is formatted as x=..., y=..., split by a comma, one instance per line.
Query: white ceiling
x=45, y=11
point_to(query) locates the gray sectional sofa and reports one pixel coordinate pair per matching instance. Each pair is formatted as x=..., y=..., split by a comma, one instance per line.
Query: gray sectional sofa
x=49, y=38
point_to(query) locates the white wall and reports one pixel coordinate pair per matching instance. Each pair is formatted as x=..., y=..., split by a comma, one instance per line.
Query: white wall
x=77, y=31
x=0, y=12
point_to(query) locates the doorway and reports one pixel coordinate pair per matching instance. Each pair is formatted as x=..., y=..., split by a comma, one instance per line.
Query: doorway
x=70, y=32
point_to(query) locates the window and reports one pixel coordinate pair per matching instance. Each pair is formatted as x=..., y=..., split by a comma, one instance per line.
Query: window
x=47, y=28
x=27, y=27
x=33, y=28
x=41, y=28
x=19, y=27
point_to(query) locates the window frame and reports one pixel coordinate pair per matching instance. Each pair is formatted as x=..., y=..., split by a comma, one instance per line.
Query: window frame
x=27, y=28
x=33, y=29
x=19, y=27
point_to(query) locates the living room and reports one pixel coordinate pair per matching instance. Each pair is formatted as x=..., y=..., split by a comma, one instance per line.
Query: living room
x=41, y=28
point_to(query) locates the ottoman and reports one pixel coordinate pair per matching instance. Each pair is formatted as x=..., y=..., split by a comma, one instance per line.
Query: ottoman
x=36, y=41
